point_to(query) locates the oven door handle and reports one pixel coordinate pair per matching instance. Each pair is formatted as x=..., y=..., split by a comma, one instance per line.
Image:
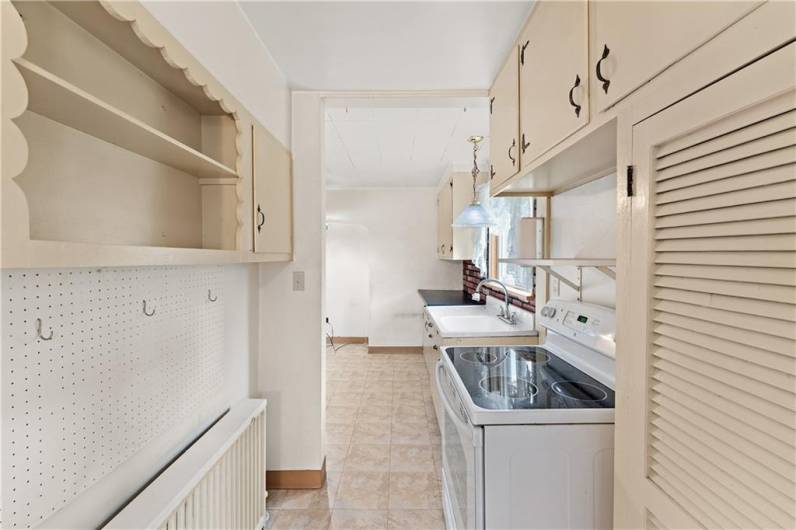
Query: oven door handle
x=447, y=405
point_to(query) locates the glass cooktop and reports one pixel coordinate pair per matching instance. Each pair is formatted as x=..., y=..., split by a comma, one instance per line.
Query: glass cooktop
x=526, y=377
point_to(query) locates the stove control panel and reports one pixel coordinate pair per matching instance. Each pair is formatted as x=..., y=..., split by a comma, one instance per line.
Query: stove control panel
x=592, y=325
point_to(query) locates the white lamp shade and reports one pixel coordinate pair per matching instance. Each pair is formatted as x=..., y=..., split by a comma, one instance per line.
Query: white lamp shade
x=473, y=216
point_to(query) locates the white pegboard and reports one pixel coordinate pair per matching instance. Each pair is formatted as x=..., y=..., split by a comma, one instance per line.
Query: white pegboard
x=110, y=381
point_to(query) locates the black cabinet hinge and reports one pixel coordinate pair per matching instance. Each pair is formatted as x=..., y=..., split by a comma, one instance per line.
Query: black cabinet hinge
x=522, y=52
x=630, y=183
x=491, y=102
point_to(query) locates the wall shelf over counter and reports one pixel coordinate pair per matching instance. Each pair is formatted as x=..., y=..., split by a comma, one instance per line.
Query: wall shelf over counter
x=58, y=100
x=546, y=264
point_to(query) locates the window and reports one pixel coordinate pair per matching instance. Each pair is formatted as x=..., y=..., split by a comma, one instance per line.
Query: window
x=502, y=241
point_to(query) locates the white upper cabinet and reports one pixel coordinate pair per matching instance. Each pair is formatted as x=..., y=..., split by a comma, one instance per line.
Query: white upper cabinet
x=632, y=42
x=444, y=219
x=273, y=193
x=554, y=55
x=504, y=106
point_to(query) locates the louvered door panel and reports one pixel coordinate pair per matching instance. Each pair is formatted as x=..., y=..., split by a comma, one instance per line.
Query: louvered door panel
x=714, y=241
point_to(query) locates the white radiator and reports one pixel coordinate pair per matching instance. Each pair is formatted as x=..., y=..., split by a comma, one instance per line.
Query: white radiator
x=218, y=483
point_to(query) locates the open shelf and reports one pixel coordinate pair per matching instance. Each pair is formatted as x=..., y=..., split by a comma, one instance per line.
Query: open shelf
x=60, y=101
x=119, y=36
x=561, y=262
x=547, y=264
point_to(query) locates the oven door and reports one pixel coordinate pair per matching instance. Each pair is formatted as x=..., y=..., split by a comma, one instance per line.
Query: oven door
x=462, y=459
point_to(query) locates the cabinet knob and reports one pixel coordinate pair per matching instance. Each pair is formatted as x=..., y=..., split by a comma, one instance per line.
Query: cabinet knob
x=606, y=82
x=572, y=99
x=513, y=145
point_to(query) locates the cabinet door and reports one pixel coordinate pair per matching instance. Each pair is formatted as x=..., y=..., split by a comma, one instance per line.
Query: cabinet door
x=554, y=67
x=632, y=42
x=273, y=194
x=504, y=121
x=444, y=220
x=705, y=376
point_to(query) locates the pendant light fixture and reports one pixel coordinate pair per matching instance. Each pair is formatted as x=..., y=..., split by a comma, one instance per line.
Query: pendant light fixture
x=475, y=215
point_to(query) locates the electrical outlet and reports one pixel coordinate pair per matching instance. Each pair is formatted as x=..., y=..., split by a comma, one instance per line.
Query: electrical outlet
x=298, y=280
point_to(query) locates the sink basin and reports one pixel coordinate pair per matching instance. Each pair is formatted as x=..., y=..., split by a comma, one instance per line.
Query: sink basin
x=476, y=321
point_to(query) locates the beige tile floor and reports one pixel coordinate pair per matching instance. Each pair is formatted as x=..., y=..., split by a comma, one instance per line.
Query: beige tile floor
x=382, y=454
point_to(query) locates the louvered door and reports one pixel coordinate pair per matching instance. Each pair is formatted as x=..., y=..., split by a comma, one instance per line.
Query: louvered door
x=706, y=374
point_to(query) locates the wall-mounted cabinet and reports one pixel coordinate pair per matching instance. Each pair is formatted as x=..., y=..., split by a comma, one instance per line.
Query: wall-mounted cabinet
x=575, y=62
x=120, y=149
x=454, y=195
x=273, y=192
x=632, y=42
x=554, y=78
x=504, y=106
x=444, y=219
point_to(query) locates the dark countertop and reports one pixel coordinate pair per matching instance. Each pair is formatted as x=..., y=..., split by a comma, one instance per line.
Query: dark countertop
x=432, y=297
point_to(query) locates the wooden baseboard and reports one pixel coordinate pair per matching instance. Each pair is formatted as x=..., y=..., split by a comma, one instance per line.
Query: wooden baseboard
x=395, y=349
x=296, y=479
x=350, y=340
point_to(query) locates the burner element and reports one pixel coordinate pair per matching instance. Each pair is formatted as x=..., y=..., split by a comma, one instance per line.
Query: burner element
x=532, y=355
x=509, y=387
x=579, y=391
x=482, y=357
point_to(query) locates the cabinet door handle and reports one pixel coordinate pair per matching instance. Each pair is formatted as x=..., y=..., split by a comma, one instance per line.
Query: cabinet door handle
x=513, y=145
x=606, y=82
x=435, y=347
x=491, y=171
x=525, y=144
x=571, y=99
x=260, y=219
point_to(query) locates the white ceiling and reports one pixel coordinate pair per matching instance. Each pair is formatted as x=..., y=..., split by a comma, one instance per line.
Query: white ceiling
x=377, y=45
x=404, y=142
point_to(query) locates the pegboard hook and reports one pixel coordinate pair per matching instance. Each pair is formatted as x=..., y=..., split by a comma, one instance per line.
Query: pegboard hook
x=38, y=331
x=211, y=297
x=149, y=314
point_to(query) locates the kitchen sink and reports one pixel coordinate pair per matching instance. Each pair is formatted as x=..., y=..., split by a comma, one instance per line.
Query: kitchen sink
x=476, y=321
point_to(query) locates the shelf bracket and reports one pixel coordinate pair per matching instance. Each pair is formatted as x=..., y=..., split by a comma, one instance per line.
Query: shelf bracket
x=607, y=271
x=576, y=286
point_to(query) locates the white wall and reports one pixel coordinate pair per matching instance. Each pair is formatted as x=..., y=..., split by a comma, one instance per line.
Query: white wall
x=584, y=226
x=291, y=354
x=347, y=279
x=221, y=37
x=402, y=240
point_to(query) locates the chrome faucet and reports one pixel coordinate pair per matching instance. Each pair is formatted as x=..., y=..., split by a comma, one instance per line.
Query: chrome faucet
x=505, y=313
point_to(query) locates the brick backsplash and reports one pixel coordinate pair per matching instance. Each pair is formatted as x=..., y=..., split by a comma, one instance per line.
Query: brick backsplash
x=472, y=275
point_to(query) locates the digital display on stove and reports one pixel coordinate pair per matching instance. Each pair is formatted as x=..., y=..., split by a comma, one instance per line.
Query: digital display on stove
x=583, y=319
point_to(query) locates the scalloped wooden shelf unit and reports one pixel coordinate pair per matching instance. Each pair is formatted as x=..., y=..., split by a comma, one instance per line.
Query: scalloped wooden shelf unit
x=119, y=36
x=58, y=100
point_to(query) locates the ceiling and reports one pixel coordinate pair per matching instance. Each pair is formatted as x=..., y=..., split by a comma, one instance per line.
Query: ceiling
x=402, y=142
x=377, y=45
